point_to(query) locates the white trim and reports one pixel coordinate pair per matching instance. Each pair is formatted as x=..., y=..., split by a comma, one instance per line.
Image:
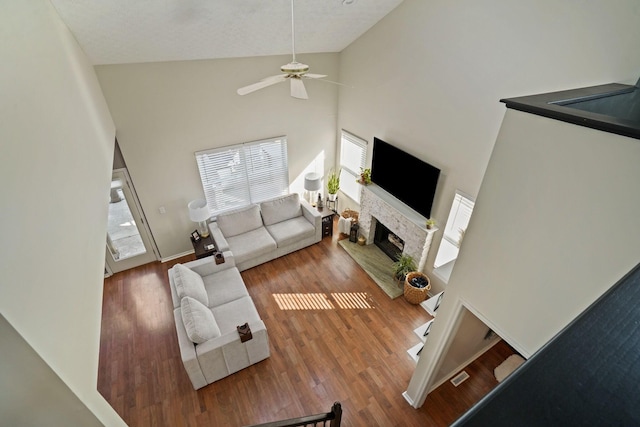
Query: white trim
x=408, y=399
x=180, y=255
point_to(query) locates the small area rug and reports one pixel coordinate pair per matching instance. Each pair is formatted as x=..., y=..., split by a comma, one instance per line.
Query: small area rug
x=376, y=264
x=505, y=369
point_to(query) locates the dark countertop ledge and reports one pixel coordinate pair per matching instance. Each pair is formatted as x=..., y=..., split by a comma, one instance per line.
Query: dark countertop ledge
x=549, y=105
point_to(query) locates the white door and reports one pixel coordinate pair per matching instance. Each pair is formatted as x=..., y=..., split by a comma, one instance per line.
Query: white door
x=129, y=241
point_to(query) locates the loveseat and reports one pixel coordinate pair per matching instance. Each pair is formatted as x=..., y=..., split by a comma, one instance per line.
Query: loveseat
x=261, y=232
x=210, y=301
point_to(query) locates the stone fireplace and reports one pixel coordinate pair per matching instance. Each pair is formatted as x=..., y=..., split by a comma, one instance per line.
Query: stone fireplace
x=378, y=207
x=389, y=242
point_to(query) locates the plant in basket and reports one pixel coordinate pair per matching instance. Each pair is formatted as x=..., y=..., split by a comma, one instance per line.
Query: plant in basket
x=416, y=286
x=404, y=265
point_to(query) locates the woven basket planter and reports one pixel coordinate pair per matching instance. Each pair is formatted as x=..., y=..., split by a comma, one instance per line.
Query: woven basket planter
x=411, y=293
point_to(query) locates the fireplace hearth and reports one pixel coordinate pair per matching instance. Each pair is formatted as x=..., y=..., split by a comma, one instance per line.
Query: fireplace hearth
x=390, y=243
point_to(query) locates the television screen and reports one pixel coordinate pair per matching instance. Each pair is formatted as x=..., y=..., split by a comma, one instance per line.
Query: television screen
x=406, y=177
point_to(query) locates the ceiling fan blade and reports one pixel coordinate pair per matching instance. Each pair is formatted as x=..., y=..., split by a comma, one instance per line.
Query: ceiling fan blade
x=314, y=76
x=262, y=84
x=297, y=89
x=335, y=83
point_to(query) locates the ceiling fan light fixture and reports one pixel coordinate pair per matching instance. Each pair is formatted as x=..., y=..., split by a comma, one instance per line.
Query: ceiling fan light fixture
x=295, y=68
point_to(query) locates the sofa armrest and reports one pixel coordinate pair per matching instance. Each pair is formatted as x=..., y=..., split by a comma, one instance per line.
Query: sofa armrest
x=221, y=242
x=225, y=354
x=311, y=214
x=188, y=353
x=207, y=266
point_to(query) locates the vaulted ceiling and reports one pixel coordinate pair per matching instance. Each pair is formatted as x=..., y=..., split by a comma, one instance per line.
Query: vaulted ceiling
x=130, y=31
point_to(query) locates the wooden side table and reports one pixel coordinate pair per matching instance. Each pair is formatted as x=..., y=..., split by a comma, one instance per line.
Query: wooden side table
x=199, y=247
x=327, y=221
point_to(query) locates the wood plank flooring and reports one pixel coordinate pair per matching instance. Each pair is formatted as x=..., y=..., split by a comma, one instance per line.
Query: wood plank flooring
x=354, y=352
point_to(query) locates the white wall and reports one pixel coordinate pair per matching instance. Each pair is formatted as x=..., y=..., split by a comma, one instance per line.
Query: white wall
x=165, y=112
x=57, y=140
x=554, y=226
x=428, y=77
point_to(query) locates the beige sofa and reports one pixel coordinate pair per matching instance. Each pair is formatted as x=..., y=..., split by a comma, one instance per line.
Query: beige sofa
x=209, y=302
x=261, y=232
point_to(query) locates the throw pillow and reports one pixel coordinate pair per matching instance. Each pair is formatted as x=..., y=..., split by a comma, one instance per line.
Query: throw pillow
x=189, y=284
x=198, y=321
x=239, y=221
x=280, y=209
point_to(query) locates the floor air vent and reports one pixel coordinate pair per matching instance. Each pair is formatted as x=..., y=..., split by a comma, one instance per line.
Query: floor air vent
x=459, y=379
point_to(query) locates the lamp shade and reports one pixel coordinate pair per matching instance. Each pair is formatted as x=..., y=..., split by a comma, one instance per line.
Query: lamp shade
x=198, y=210
x=312, y=181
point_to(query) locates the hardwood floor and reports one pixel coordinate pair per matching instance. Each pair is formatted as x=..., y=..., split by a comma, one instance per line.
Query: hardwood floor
x=354, y=353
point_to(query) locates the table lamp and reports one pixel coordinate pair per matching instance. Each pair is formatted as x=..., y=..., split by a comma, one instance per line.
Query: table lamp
x=312, y=184
x=199, y=212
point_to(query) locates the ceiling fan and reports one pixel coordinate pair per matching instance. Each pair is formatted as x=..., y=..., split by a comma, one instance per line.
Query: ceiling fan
x=293, y=71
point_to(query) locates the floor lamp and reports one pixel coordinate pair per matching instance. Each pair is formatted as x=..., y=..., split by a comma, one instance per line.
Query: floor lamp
x=312, y=184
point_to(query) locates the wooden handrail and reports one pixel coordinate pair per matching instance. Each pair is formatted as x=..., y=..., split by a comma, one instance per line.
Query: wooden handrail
x=334, y=418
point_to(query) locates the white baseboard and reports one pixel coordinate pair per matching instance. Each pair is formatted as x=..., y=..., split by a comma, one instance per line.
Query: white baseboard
x=407, y=398
x=172, y=257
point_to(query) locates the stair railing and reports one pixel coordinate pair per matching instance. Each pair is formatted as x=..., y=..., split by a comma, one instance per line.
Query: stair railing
x=333, y=418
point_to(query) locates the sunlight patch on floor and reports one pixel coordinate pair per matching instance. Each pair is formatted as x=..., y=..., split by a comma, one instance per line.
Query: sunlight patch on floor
x=321, y=301
x=300, y=301
x=352, y=300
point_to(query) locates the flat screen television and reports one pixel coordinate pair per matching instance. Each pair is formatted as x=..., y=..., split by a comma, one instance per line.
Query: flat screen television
x=406, y=177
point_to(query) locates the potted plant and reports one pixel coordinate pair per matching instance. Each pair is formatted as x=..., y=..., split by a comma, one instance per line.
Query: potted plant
x=333, y=184
x=431, y=223
x=403, y=266
x=365, y=176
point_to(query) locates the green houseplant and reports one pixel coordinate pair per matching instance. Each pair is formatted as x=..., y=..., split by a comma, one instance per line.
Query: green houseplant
x=333, y=184
x=431, y=223
x=403, y=266
x=365, y=176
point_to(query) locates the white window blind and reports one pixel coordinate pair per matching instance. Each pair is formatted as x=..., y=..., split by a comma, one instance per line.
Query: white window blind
x=238, y=175
x=458, y=220
x=353, y=154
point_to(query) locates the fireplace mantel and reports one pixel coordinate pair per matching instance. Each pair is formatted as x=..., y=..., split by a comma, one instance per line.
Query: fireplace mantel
x=379, y=205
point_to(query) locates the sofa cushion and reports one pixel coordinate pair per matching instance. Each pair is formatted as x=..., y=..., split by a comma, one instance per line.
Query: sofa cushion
x=280, y=209
x=291, y=231
x=251, y=244
x=239, y=221
x=188, y=283
x=235, y=313
x=224, y=286
x=198, y=321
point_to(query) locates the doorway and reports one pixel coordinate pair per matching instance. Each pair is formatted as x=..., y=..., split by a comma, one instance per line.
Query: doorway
x=129, y=242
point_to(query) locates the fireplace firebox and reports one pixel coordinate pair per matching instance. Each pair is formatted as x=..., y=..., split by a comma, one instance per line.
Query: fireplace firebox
x=387, y=241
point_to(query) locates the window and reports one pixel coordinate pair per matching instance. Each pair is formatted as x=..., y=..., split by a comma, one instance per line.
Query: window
x=458, y=220
x=459, y=216
x=238, y=175
x=353, y=153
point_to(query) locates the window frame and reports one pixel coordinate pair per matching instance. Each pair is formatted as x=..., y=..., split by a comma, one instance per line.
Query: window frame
x=348, y=173
x=253, y=172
